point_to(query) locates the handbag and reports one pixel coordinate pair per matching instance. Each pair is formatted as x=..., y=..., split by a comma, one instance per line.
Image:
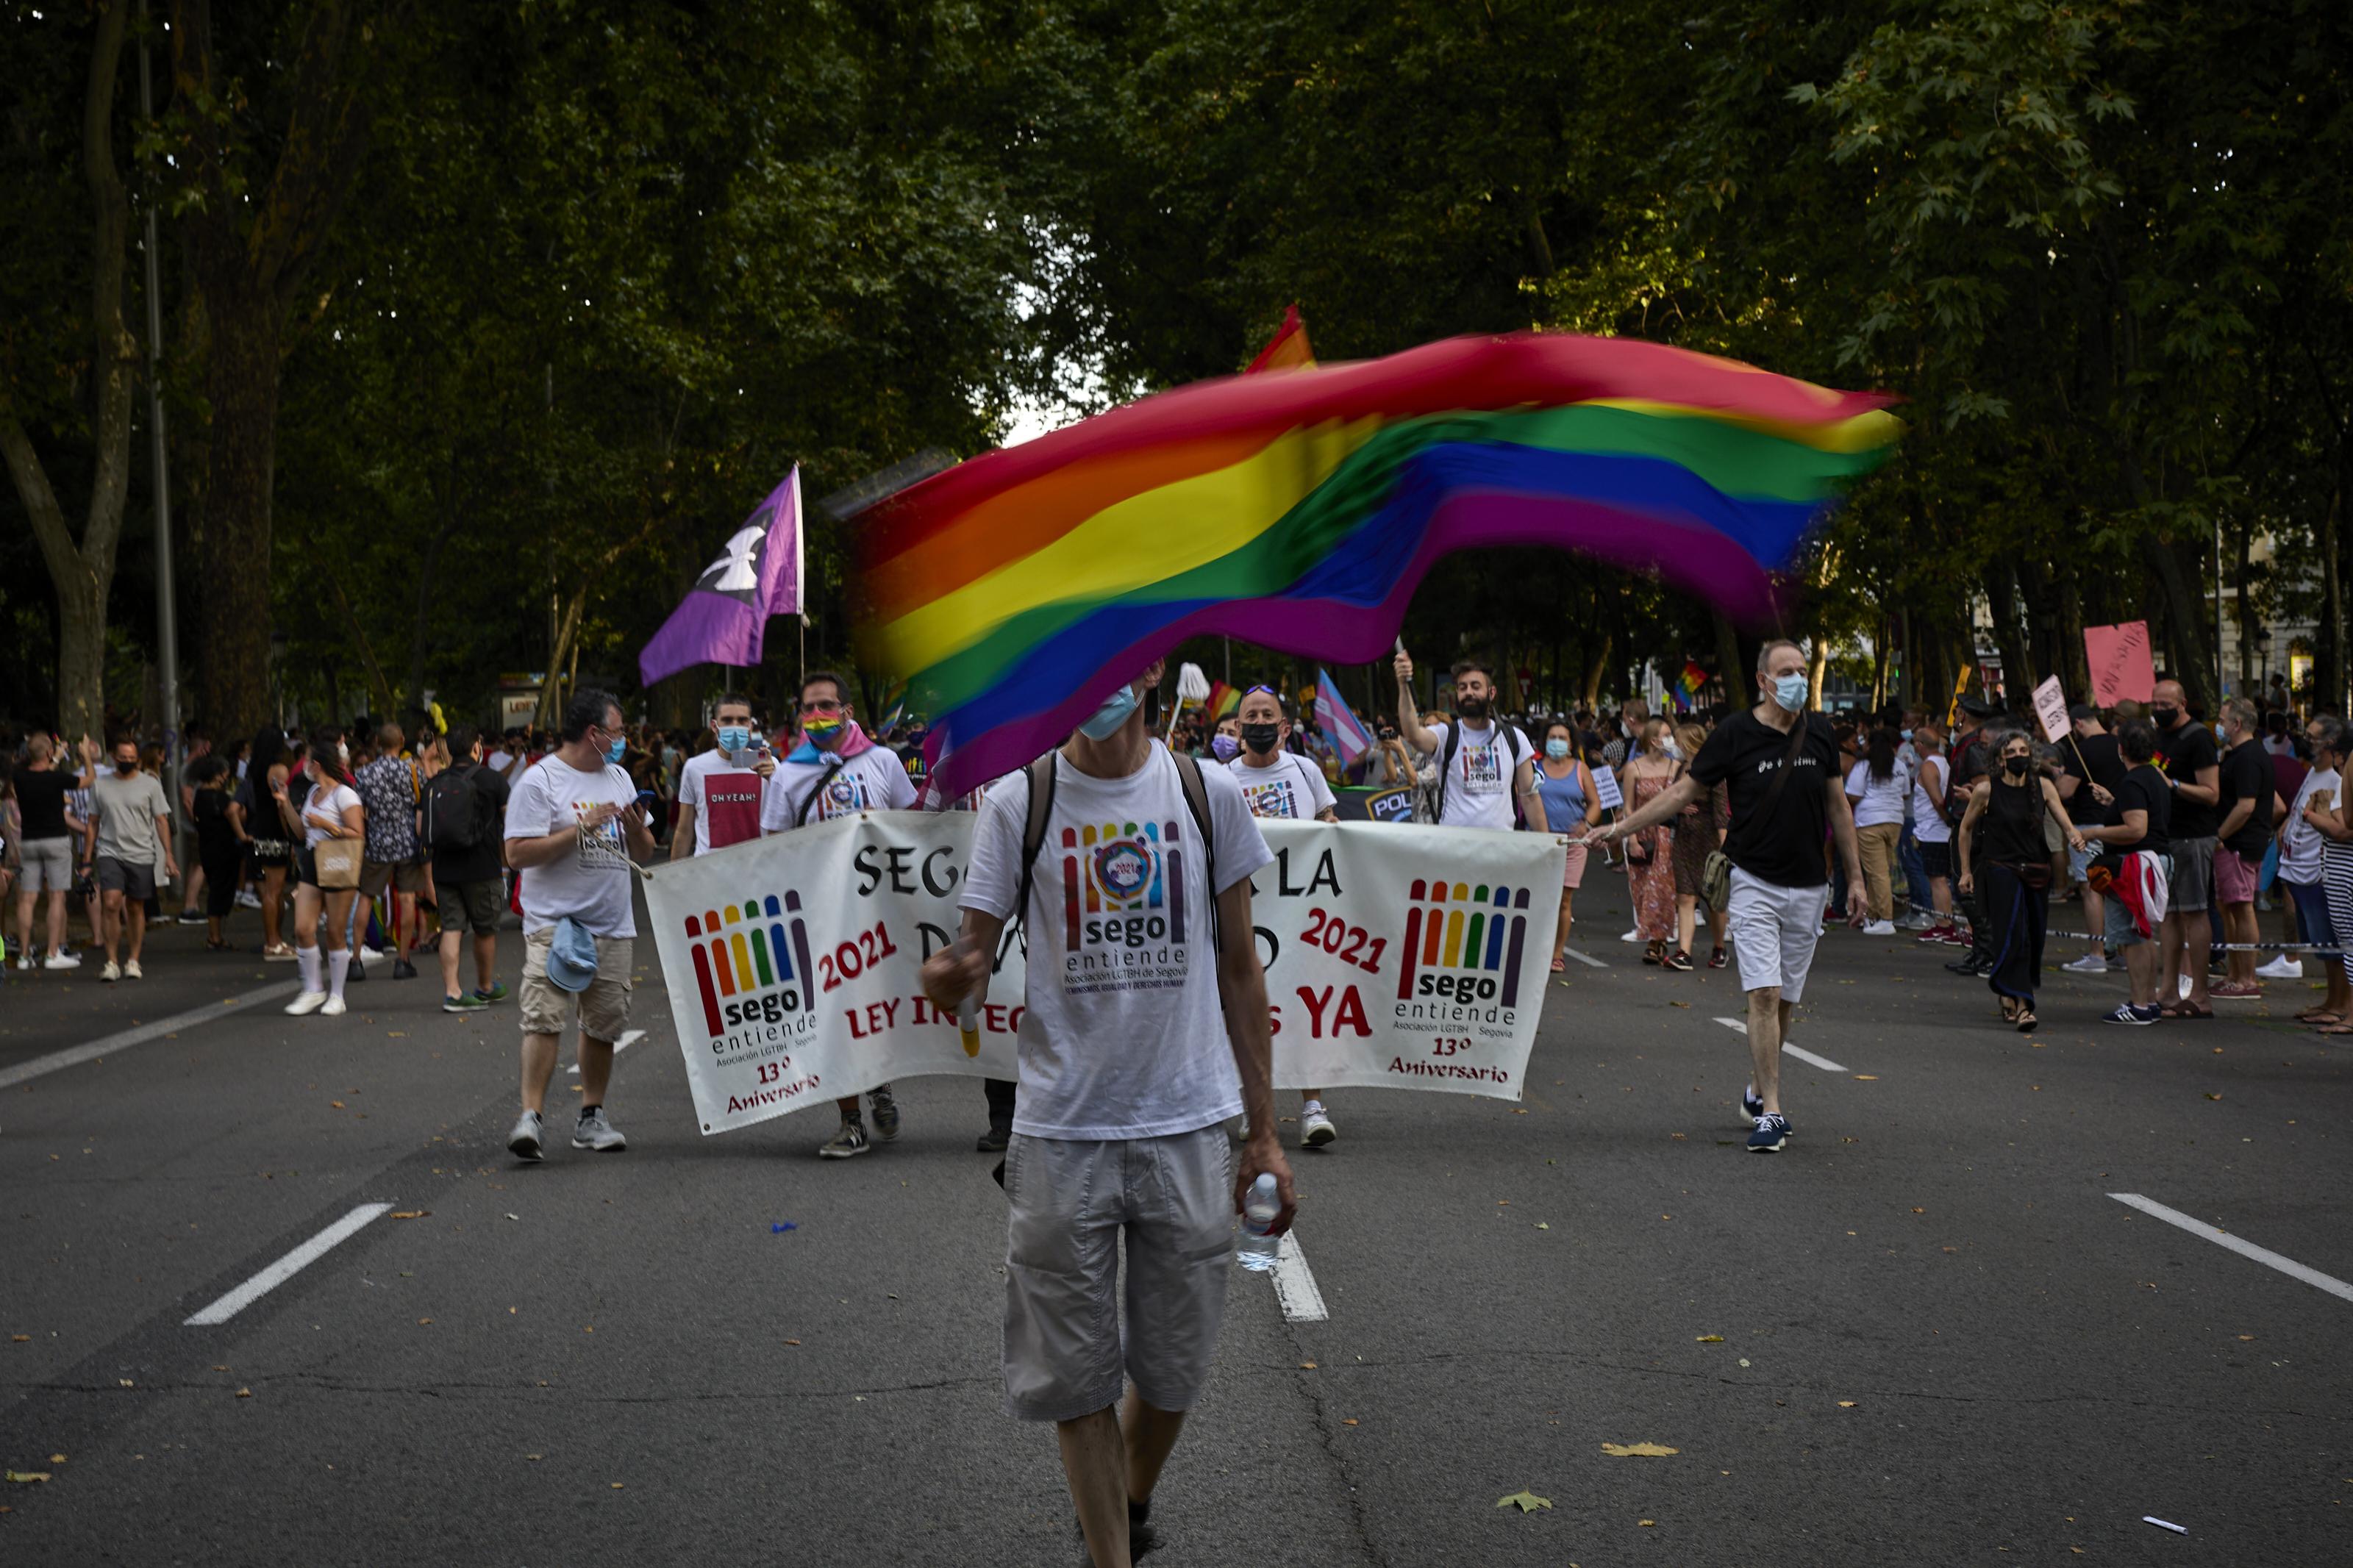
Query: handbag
x=335, y=863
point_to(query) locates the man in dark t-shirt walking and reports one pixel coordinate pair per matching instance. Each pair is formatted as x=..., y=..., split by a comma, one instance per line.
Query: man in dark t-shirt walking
x=2248, y=806
x=1788, y=793
x=2090, y=770
x=2193, y=773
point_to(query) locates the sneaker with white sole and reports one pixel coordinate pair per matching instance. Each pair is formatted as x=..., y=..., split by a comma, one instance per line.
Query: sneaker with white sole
x=112, y=971
x=191, y=918
x=1879, y=927
x=131, y=970
x=523, y=1142
x=1772, y=1132
x=886, y=1114
x=595, y=1130
x=1752, y=1104
x=1634, y=935
x=332, y=1008
x=309, y=1002
x=246, y=900
x=2128, y=1014
x=2090, y=964
x=61, y=960
x=2281, y=968
x=850, y=1142
x=1315, y=1129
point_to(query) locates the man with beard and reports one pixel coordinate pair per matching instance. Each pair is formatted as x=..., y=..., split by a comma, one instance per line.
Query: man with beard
x=1483, y=765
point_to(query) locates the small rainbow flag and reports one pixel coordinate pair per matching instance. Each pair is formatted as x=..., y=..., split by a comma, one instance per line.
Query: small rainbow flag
x=1687, y=686
x=1301, y=512
x=1287, y=349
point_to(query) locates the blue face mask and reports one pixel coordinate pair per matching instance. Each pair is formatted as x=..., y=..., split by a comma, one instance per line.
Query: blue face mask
x=1557, y=749
x=1225, y=748
x=617, y=748
x=734, y=737
x=1789, y=692
x=1107, y=719
x=1905, y=733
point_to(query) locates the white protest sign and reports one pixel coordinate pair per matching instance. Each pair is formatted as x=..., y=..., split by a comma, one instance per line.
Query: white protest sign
x=2051, y=710
x=1605, y=787
x=1401, y=957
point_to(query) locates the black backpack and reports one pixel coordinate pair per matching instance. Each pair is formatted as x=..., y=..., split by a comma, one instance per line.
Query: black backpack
x=452, y=812
x=1042, y=809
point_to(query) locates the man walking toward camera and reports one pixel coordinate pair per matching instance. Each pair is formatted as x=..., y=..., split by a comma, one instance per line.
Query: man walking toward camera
x=1141, y=1036
x=134, y=836
x=573, y=824
x=1781, y=762
x=465, y=813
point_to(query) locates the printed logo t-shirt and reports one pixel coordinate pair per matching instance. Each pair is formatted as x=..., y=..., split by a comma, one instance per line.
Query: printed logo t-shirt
x=726, y=798
x=1479, y=787
x=1786, y=848
x=1123, y=1035
x=591, y=884
x=873, y=780
x=1287, y=786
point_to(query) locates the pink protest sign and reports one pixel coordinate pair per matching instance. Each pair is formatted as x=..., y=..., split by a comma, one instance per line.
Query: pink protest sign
x=2051, y=710
x=2120, y=663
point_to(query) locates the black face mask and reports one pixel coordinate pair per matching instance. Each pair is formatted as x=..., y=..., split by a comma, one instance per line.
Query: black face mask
x=1472, y=708
x=126, y=769
x=2163, y=718
x=1261, y=738
x=2015, y=766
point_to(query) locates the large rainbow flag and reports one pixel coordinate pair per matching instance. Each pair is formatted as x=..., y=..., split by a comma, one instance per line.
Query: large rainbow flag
x=1299, y=511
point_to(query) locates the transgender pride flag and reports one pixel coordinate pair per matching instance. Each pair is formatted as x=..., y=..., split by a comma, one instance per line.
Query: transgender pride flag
x=1339, y=725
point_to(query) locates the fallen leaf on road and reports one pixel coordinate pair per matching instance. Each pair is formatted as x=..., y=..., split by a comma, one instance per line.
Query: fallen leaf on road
x=532, y=1457
x=1647, y=1523
x=2246, y=1337
x=396, y=1033
x=24, y=1339
x=1638, y=1450
x=422, y=1322
x=1526, y=1502
x=1677, y=1136
x=1846, y=1404
x=616, y=1486
x=510, y=1216
x=336, y=1103
x=792, y=1342
x=1711, y=1339
x=57, y=1458
x=245, y=1394
x=29, y=1476
x=220, y=1368
x=1866, y=1077
x=408, y=1214
x=1678, y=1003
x=1919, y=1211
x=1743, y=1360
x=1350, y=1421
x=1307, y=1366
x=124, y=1382
x=2213, y=1097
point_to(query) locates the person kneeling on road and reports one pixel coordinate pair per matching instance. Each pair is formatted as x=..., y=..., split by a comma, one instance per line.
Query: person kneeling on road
x=1129, y=1071
x=573, y=824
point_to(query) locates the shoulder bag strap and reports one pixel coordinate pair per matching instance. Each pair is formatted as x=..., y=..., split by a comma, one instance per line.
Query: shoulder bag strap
x=833, y=765
x=1196, y=803
x=1033, y=831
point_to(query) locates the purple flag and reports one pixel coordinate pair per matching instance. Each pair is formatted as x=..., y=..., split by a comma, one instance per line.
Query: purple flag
x=757, y=574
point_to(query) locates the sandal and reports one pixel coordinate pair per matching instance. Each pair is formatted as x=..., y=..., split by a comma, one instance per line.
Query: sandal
x=2184, y=1010
x=2335, y=1029
x=1560, y=966
x=2319, y=1015
x=2024, y=1019
x=1655, y=952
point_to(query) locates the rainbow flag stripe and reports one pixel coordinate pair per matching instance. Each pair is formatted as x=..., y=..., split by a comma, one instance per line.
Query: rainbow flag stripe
x=1301, y=512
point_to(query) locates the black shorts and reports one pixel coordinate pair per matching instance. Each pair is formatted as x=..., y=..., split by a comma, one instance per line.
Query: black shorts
x=475, y=905
x=1936, y=859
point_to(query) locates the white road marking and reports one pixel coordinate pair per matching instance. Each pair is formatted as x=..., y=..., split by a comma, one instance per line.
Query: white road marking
x=56, y=1061
x=629, y=1038
x=1294, y=1283
x=1787, y=1048
x=1583, y=957
x=285, y=1268
x=2220, y=1237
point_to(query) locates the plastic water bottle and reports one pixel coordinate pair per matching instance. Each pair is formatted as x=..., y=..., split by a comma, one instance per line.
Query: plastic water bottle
x=1258, y=1248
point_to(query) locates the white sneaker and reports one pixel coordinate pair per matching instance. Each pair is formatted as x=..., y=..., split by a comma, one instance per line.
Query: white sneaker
x=1919, y=920
x=2186, y=984
x=246, y=900
x=371, y=954
x=2282, y=968
x=1634, y=935
x=1315, y=1129
x=309, y=1002
x=112, y=971
x=61, y=960
x=2090, y=964
x=1880, y=928
x=131, y=970
x=332, y=1008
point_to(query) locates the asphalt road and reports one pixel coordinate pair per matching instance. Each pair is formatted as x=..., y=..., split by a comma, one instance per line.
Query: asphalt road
x=1926, y=1333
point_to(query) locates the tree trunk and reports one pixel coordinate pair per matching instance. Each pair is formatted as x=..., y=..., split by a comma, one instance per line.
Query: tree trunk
x=1594, y=673
x=234, y=561
x=2250, y=676
x=2009, y=638
x=2185, y=610
x=2329, y=667
x=1734, y=669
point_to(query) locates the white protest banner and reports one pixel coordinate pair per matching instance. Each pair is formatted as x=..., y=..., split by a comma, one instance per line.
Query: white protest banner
x=2051, y=710
x=1400, y=957
x=1605, y=787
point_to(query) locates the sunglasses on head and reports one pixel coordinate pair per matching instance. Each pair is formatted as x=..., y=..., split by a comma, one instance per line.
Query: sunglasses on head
x=1254, y=690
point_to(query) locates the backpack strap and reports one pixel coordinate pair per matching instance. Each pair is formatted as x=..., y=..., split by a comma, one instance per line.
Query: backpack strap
x=1033, y=830
x=833, y=765
x=1446, y=767
x=1197, y=801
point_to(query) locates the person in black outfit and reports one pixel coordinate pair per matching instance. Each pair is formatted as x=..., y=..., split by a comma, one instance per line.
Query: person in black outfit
x=221, y=841
x=2090, y=770
x=2136, y=845
x=468, y=877
x=2006, y=813
x=2193, y=772
x=1972, y=760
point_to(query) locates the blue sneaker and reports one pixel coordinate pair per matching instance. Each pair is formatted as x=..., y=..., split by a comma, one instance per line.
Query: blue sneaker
x=1752, y=1104
x=2128, y=1014
x=1772, y=1131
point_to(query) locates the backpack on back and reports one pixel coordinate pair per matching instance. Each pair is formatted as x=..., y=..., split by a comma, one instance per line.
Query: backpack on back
x=453, y=821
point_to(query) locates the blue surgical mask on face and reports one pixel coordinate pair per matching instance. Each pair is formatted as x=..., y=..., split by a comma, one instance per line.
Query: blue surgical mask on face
x=616, y=748
x=1225, y=748
x=1905, y=733
x=1557, y=749
x=734, y=737
x=1789, y=692
x=1106, y=719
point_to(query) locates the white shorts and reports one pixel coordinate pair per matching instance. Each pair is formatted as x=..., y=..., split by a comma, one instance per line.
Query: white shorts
x=1773, y=930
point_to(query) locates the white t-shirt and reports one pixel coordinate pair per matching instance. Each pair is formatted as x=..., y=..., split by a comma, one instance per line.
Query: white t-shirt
x=740, y=790
x=873, y=780
x=2302, y=846
x=1479, y=787
x=1289, y=786
x=592, y=883
x=1878, y=801
x=496, y=760
x=1123, y=1035
x=1930, y=826
x=322, y=808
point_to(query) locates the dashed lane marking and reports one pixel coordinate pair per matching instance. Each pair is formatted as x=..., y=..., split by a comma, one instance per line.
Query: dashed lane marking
x=2220, y=1237
x=285, y=1268
x=58, y=1061
x=1787, y=1048
x=1294, y=1283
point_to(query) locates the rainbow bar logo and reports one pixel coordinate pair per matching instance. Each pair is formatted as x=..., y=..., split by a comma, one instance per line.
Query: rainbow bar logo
x=755, y=946
x=1110, y=870
x=1459, y=925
